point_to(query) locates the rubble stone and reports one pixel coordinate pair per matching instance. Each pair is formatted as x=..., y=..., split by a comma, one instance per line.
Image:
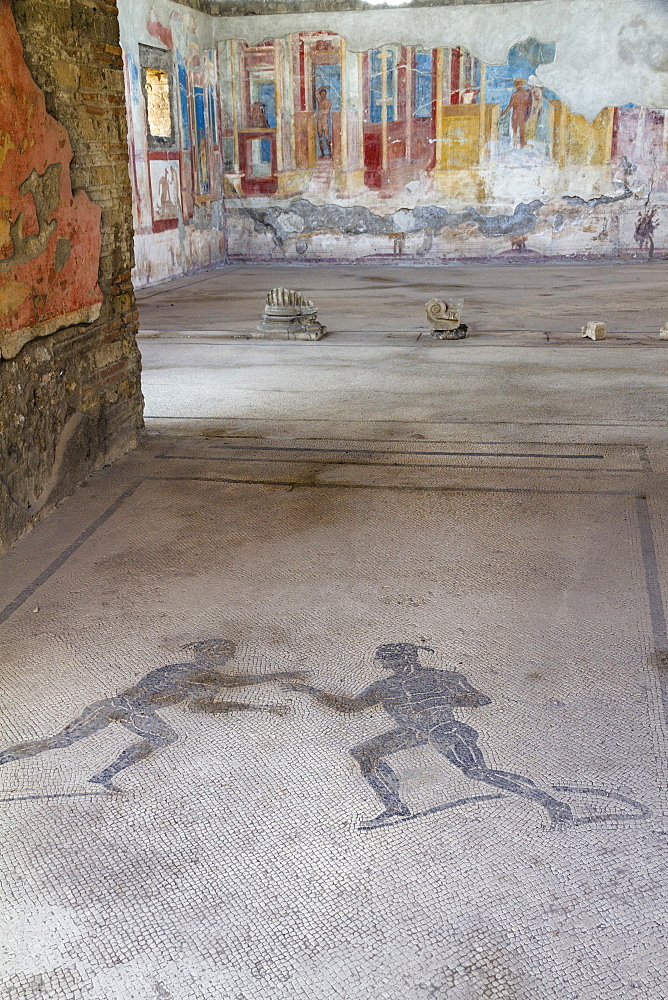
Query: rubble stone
x=595, y=331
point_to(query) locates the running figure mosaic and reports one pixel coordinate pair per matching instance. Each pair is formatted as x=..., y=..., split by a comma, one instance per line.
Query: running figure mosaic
x=196, y=683
x=421, y=701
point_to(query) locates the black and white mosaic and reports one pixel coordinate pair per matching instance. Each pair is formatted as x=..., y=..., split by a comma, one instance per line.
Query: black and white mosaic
x=335, y=743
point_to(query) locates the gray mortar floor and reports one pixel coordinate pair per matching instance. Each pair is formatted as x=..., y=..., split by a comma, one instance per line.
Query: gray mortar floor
x=534, y=298
x=505, y=508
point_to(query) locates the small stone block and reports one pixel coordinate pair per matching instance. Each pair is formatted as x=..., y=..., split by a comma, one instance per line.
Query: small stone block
x=595, y=331
x=663, y=332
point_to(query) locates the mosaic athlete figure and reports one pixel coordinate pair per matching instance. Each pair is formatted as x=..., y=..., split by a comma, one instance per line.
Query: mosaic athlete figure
x=421, y=700
x=197, y=683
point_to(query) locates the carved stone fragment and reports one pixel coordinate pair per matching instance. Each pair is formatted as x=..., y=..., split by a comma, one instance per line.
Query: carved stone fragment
x=663, y=332
x=595, y=331
x=445, y=320
x=289, y=315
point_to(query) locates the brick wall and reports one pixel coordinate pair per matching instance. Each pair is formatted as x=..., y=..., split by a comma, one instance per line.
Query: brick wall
x=71, y=402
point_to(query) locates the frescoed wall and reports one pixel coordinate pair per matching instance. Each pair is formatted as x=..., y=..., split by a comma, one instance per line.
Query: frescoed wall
x=428, y=152
x=469, y=130
x=171, y=82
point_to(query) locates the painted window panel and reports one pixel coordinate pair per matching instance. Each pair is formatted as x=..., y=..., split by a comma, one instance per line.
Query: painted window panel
x=523, y=60
x=211, y=94
x=423, y=85
x=200, y=137
x=260, y=163
x=264, y=92
x=389, y=57
x=228, y=154
x=158, y=109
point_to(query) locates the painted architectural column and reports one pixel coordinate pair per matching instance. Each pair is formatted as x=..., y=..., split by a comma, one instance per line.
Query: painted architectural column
x=482, y=104
x=360, y=112
x=344, y=107
x=410, y=80
x=230, y=100
x=234, y=71
x=287, y=106
x=278, y=85
x=384, y=101
x=440, y=149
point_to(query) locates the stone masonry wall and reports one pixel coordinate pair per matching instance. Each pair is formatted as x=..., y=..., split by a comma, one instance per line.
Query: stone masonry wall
x=71, y=402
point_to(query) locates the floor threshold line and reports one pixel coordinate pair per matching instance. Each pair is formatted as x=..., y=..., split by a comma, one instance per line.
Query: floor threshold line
x=385, y=451
x=393, y=465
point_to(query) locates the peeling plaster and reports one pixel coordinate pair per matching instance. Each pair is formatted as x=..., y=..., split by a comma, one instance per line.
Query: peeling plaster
x=595, y=202
x=357, y=220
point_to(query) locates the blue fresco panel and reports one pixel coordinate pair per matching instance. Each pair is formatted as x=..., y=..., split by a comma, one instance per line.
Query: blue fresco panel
x=183, y=100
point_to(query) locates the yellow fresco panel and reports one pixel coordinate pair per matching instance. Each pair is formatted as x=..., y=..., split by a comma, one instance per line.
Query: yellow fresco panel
x=577, y=142
x=461, y=136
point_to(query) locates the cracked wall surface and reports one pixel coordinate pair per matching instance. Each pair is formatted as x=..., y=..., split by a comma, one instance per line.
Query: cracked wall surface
x=69, y=378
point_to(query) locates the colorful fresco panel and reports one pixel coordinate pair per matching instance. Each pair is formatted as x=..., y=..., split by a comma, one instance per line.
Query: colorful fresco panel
x=165, y=189
x=436, y=135
x=177, y=155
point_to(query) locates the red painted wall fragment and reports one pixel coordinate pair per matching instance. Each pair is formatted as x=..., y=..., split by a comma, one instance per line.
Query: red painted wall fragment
x=159, y=30
x=49, y=236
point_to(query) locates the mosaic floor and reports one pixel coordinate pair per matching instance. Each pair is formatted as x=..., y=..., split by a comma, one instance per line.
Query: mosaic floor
x=296, y=812
x=340, y=718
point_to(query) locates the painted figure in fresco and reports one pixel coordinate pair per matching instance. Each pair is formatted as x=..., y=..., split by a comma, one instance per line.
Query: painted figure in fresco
x=203, y=166
x=322, y=121
x=258, y=115
x=421, y=700
x=533, y=120
x=646, y=226
x=196, y=683
x=470, y=95
x=163, y=190
x=167, y=187
x=520, y=104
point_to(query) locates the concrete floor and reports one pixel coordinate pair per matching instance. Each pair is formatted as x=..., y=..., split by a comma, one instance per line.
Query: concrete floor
x=503, y=507
x=533, y=298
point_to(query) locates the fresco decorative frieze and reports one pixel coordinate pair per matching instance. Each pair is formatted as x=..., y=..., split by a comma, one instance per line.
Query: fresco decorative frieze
x=49, y=235
x=430, y=153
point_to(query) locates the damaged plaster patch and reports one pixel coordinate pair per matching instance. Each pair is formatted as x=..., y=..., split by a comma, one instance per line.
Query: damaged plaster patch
x=639, y=43
x=357, y=220
x=605, y=199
